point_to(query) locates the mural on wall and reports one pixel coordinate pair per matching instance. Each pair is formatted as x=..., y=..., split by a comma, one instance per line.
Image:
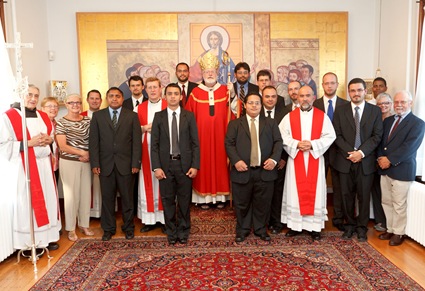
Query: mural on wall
x=292, y=46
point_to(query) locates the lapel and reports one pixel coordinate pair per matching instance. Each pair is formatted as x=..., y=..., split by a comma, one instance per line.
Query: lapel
x=164, y=122
x=321, y=104
x=183, y=122
x=349, y=115
x=107, y=117
x=367, y=111
x=121, y=118
x=245, y=126
x=262, y=124
x=400, y=127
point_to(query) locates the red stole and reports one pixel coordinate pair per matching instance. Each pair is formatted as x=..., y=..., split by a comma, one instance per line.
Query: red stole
x=142, y=112
x=37, y=195
x=306, y=183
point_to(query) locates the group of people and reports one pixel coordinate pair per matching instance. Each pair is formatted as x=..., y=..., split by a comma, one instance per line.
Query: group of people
x=201, y=143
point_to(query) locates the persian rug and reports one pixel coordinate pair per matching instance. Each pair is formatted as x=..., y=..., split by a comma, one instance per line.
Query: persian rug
x=216, y=262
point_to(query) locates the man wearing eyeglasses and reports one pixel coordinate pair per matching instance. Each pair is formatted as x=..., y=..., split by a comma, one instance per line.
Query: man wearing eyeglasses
x=329, y=103
x=254, y=146
x=358, y=127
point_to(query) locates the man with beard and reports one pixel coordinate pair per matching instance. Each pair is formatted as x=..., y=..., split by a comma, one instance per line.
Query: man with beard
x=209, y=103
x=358, y=127
x=241, y=88
x=307, y=133
x=293, y=88
x=182, y=74
x=329, y=103
x=136, y=87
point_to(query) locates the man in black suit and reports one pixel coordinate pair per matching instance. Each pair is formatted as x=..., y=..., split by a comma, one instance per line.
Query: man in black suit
x=271, y=110
x=329, y=103
x=358, y=127
x=254, y=146
x=175, y=161
x=403, y=134
x=136, y=86
x=241, y=88
x=293, y=88
x=115, y=155
x=186, y=87
x=263, y=80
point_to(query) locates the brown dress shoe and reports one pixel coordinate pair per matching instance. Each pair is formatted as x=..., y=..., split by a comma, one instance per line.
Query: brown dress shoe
x=385, y=236
x=396, y=240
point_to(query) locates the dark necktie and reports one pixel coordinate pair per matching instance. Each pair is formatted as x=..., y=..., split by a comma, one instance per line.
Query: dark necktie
x=175, y=150
x=254, y=145
x=114, y=119
x=357, y=141
x=269, y=113
x=137, y=103
x=242, y=93
x=330, y=110
x=183, y=96
x=395, y=126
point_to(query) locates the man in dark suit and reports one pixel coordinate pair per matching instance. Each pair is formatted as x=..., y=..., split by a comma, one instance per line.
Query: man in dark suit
x=358, y=127
x=403, y=134
x=271, y=110
x=329, y=103
x=186, y=87
x=293, y=88
x=242, y=87
x=263, y=80
x=136, y=86
x=175, y=161
x=115, y=154
x=254, y=146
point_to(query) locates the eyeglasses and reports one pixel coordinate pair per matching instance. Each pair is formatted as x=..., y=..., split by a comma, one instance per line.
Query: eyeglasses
x=400, y=102
x=52, y=106
x=253, y=103
x=383, y=103
x=72, y=103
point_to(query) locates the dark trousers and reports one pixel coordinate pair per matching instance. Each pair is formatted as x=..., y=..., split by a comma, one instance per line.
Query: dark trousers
x=378, y=211
x=109, y=186
x=177, y=187
x=276, y=204
x=356, y=184
x=252, y=204
x=136, y=193
x=338, y=217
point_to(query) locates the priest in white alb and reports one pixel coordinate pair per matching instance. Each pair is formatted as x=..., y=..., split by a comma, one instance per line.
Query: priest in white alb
x=307, y=133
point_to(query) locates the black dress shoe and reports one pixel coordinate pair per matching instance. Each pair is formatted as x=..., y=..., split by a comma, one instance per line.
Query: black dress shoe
x=183, y=241
x=292, y=233
x=148, y=227
x=348, y=234
x=396, y=240
x=315, y=235
x=385, y=236
x=239, y=238
x=361, y=236
x=172, y=241
x=265, y=237
x=53, y=246
x=339, y=226
x=129, y=234
x=106, y=236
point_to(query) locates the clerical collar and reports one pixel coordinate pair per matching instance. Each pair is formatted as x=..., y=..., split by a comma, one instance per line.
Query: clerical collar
x=306, y=110
x=31, y=113
x=155, y=102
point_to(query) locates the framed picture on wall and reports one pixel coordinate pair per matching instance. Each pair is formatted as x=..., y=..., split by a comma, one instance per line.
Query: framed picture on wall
x=58, y=90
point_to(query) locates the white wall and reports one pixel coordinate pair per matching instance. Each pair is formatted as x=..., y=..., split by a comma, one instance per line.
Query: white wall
x=51, y=25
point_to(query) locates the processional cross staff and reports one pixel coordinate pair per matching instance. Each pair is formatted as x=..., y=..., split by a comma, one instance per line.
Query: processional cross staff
x=21, y=91
x=226, y=61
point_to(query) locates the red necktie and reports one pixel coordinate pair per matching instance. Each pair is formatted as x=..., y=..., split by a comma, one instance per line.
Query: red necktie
x=394, y=127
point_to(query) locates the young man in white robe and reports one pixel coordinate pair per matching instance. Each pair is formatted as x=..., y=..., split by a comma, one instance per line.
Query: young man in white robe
x=307, y=134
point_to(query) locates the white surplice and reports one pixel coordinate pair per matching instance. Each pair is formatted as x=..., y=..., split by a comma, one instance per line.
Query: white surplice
x=290, y=203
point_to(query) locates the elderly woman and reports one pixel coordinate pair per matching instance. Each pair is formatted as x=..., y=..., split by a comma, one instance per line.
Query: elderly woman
x=384, y=101
x=72, y=134
x=50, y=105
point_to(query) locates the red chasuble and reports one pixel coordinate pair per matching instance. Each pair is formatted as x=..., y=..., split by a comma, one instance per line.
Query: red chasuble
x=142, y=112
x=213, y=175
x=306, y=180
x=37, y=195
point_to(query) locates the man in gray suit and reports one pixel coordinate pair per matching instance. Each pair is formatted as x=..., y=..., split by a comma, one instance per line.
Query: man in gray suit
x=254, y=146
x=115, y=155
x=175, y=161
x=329, y=104
x=403, y=134
x=358, y=127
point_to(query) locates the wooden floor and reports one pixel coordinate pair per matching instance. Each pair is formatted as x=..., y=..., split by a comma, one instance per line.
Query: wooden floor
x=409, y=257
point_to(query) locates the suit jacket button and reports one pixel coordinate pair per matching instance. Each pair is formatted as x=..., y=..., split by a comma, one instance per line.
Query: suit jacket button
x=385, y=149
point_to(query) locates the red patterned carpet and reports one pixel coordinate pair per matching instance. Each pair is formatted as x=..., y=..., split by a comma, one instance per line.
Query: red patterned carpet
x=213, y=261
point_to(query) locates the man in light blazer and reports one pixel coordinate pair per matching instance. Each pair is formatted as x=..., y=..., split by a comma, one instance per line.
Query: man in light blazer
x=330, y=85
x=403, y=134
x=254, y=146
x=355, y=159
x=175, y=162
x=115, y=155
